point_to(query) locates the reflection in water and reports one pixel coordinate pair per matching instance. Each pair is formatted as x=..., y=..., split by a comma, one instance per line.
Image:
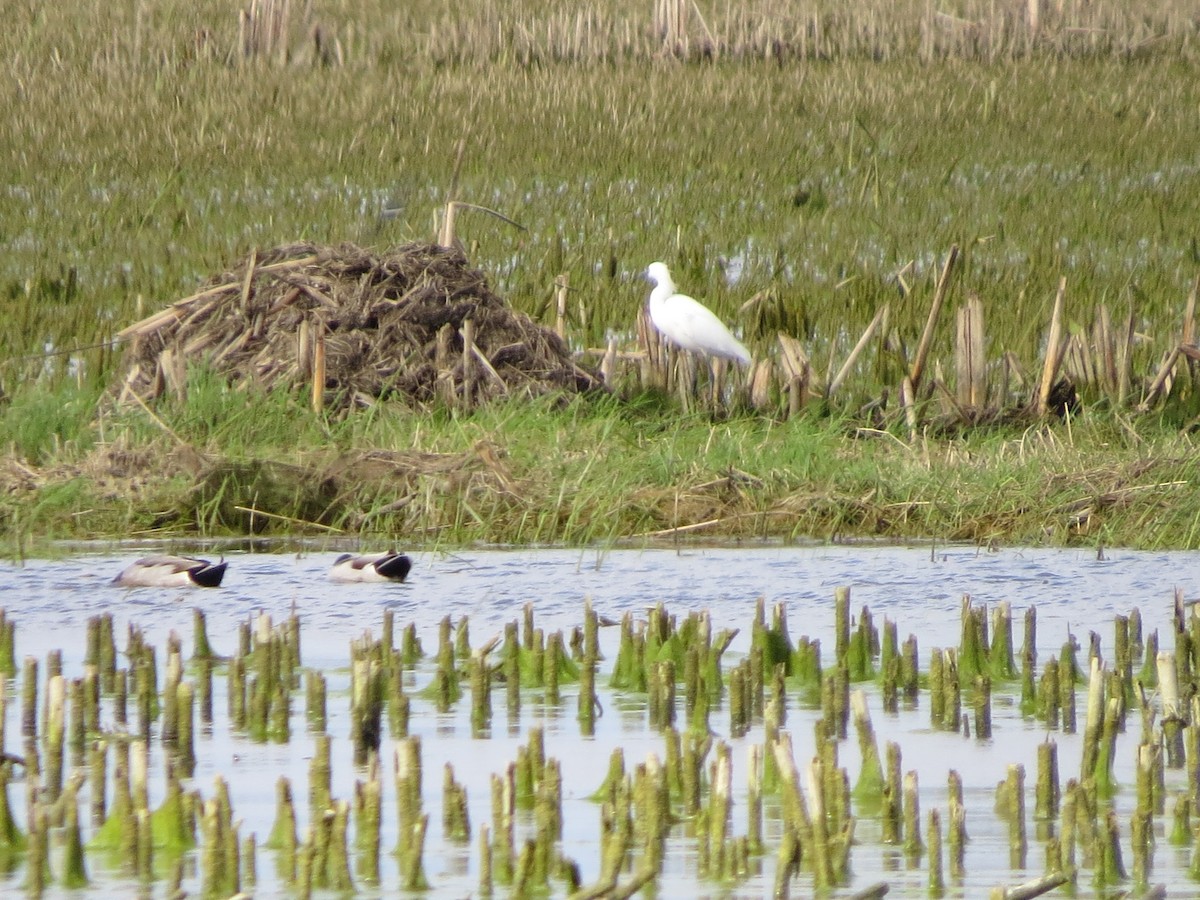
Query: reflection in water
x=918, y=589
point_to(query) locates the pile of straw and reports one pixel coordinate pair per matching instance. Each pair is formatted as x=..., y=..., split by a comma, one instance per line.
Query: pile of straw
x=415, y=323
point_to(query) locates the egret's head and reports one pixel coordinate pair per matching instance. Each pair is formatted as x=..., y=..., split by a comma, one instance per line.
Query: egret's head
x=658, y=273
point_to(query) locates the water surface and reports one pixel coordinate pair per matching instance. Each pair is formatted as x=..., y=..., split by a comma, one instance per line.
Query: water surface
x=921, y=589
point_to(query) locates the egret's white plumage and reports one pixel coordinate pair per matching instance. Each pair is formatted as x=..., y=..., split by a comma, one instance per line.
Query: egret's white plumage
x=389, y=566
x=687, y=323
x=171, y=571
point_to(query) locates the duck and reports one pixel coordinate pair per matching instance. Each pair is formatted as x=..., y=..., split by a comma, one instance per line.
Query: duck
x=389, y=566
x=172, y=571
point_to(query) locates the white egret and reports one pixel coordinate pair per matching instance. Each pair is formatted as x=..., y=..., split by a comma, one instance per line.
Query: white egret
x=171, y=571
x=389, y=566
x=687, y=323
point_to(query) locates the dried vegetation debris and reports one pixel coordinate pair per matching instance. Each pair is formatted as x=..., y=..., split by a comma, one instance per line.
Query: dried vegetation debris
x=392, y=324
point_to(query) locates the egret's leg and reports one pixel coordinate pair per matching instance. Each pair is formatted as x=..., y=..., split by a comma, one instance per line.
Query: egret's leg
x=716, y=382
x=686, y=379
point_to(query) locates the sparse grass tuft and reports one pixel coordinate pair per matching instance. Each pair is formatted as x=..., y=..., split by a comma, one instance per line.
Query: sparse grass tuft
x=587, y=473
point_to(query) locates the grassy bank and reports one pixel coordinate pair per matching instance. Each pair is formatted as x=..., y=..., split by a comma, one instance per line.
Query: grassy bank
x=797, y=170
x=598, y=470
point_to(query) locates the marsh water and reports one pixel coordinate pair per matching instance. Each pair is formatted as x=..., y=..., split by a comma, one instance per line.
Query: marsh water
x=919, y=588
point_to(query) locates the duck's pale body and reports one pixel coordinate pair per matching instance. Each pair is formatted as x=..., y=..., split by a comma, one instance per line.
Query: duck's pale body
x=171, y=571
x=389, y=566
x=687, y=323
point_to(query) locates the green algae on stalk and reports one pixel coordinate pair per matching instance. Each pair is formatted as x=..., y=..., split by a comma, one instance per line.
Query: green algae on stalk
x=983, y=707
x=185, y=745
x=249, y=856
x=456, y=820
x=204, y=688
x=112, y=834
x=868, y=789
x=629, y=670
x=399, y=705
x=445, y=687
x=510, y=666
x=305, y=861
x=553, y=662
x=315, y=693
x=739, y=708
x=169, y=821
x=1029, y=701
x=1148, y=773
x=1047, y=794
x=1002, y=665
x=714, y=819
x=97, y=777
x=480, y=673
x=236, y=693
x=320, y=777
x=8, y=658
x=1110, y=864
x=54, y=734
x=913, y=845
x=283, y=838
x=12, y=839
x=202, y=649
x=937, y=881
x=973, y=649
x=661, y=699
x=892, y=815
x=143, y=831
x=613, y=777
x=366, y=708
x=956, y=839
x=337, y=864
x=37, y=860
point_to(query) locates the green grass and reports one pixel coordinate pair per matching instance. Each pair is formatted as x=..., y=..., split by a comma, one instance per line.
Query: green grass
x=830, y=174
x=597, y=471
x=140, y=165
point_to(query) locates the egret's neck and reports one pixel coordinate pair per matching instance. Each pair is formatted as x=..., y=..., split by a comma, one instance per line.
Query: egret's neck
x=661, y=292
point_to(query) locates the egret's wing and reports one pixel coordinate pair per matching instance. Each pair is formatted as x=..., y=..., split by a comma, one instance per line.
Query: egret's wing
x=699, y=329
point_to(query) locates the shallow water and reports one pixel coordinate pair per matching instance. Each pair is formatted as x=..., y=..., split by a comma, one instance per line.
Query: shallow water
x=920, y=589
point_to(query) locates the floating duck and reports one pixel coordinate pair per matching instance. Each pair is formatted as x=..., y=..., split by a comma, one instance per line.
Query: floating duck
x=388, y=566
x=171, y=571
x=687, y=323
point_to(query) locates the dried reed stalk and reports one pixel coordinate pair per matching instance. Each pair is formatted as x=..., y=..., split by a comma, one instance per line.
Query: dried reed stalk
x=880, y=317
x=561, y=284
x=445, y=380
x=1125, y=362
x=608, y=364
x=1187, y=336
x=318, y=368
x=446, y=237
x=1105, y=341
x=263, y=30
x=176, y=310
x=468, y=355
x=797, y=370
x=935, y=308
x=1163, y=379
x=969, y=361
x=248, y=281
x=907, y=398
x=657, y=369
x=760, y=384
x=1055, y=349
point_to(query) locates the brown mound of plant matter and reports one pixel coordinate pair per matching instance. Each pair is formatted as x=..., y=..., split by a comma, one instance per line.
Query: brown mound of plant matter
x=416, y=322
